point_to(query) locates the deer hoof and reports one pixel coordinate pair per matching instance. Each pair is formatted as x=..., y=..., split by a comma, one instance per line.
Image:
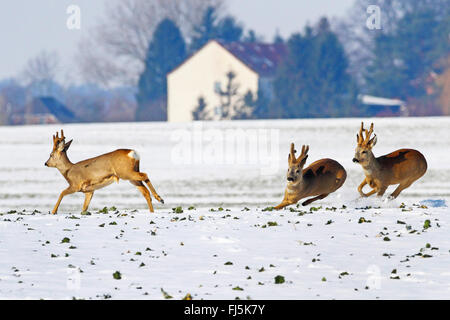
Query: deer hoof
x=161, y=200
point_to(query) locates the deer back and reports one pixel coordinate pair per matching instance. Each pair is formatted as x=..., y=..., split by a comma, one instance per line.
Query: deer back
x=106, y=167
x=402, y=165
x=323, y=176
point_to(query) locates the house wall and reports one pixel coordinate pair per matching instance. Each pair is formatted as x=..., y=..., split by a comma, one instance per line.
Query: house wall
x=198, y=76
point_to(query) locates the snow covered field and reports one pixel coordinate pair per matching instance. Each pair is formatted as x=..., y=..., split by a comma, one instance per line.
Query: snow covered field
x=223, y=244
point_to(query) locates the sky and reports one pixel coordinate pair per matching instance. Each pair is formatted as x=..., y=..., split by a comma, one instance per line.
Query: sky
x=27, y=27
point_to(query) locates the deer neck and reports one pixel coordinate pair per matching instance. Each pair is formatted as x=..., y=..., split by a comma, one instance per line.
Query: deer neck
x=372, y=167
x=294, y=187
x=64, y=165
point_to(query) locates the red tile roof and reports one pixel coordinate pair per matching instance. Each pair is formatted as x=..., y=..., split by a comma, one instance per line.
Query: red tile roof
x=263, y=58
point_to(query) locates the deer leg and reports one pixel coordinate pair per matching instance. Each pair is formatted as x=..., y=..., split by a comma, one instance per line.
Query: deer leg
x=141, y=176
x=152, y=189
x=286, y=201
x=64, y=193
x=283, y=204
x=140, y=186
x=381, y=191
x=373, y=191
x=314, y=199
x=399, y=189
x=361, y=186
x=87, y=200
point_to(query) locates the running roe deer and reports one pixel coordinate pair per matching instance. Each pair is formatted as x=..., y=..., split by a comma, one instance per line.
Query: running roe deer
x=319, y=179
x=95, y=173
x=401, y=167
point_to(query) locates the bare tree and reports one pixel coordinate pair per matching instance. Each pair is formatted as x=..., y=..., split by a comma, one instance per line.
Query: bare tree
x=41, y=71
x=117, y=50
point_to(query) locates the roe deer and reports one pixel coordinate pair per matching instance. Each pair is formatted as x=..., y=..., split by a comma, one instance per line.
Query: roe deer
x=320, y=179
x=95, y=173
x=401, y=167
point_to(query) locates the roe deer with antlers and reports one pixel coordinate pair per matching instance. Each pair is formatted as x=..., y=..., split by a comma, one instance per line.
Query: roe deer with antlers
x=95, y=173
x=319, y=179
x=401, y=167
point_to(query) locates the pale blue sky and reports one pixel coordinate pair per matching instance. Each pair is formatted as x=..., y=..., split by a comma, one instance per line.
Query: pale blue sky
x=27, y=26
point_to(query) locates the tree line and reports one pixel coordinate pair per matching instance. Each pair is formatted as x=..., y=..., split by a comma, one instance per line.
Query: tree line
x=320, y=76
x=328, y=64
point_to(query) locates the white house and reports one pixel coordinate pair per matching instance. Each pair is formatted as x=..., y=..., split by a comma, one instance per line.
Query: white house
x=204, y=74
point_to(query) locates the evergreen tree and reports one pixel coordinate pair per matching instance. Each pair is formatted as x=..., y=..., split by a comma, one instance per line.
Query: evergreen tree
x=384, y=75
x=206, y=31
x=259, y=106
x=313, y=81
x=234, y=105
x=252, y=37
x=225, y=29
x=229, y=30
x=228, y=96
x=166, y=50
x=200, y=112
x=333, y=85
x=404, y=57
x=290, y=88
x=278, y=39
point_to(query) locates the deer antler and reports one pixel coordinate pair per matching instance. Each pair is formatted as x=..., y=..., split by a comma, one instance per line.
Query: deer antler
x=368, y=134
x=57, y=139
x=304, y=153
x=302, y=156
x=360, y=135
x=293, y=151
x=365, y=141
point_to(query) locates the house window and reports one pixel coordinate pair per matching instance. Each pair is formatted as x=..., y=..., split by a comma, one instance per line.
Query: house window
x=217, y=87
x=218, y=111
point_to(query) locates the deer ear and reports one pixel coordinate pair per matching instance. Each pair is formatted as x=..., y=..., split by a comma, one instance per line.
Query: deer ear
x=303, y=161
x=67, y=145
x=373, y=141
x=60, y=146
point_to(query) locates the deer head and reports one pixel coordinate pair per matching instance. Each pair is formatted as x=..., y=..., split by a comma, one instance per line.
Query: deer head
x=296, y=164
x=363, y=152
x=59, y=150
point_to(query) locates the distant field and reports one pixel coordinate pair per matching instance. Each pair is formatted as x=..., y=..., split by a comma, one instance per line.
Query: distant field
x=195, y=178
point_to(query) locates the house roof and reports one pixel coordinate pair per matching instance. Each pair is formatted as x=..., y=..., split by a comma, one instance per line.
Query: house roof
x=263, y=58
x=50, y=105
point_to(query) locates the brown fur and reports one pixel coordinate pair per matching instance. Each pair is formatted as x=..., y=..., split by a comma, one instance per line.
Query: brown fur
x=401, y=167
x=92, y=174
x=320, y=179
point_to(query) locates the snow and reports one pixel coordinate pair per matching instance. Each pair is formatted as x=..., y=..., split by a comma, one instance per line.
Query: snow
x=229, y=172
